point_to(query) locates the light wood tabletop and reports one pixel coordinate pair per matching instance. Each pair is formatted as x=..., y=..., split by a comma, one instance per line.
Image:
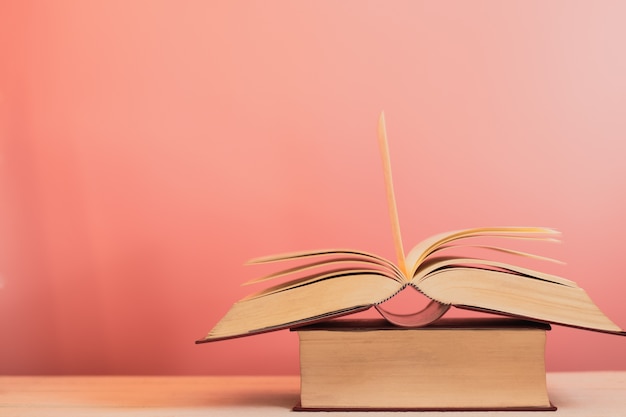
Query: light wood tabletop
x=594, y=394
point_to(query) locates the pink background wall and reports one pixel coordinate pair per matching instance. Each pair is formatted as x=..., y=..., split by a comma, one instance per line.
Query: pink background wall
x=149, y=148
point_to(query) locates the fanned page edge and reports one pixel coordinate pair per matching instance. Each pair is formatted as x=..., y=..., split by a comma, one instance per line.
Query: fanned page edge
x=300, y=305
x=426, y=247
x=433, y=264
x=314, y=278
x=570, y=298
x=293, y=325
x=498, y=249
x=333, y=256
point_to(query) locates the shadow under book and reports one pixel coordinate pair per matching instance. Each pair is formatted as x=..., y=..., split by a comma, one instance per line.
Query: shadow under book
x=453, y=364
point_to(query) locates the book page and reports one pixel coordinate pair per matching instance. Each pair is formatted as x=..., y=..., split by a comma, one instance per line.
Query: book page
x=439, y=263
x=304, y=304
x=423, y=249
x=516, y=295
x=321, y=276
x=333, y=256
x=391, y=199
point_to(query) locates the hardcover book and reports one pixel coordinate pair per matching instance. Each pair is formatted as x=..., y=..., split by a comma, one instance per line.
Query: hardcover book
x=418, y=360
x=453, y=364
x=334, y=282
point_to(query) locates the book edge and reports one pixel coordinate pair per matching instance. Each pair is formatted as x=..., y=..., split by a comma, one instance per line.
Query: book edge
x=300, y=323
x=518, y=316
x=456, y=323
x=551, y=407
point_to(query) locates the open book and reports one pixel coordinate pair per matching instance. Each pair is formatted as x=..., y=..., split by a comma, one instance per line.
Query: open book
x=331, y=283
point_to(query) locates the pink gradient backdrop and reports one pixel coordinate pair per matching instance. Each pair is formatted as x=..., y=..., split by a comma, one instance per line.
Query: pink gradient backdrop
x=149, y=148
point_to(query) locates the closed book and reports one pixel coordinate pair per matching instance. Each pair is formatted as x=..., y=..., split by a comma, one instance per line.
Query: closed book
x=453, y=364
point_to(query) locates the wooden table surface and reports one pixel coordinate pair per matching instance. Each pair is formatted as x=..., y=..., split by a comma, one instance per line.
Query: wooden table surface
x=594, y=394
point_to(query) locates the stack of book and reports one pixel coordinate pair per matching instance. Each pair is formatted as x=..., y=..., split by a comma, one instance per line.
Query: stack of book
x=418, y=361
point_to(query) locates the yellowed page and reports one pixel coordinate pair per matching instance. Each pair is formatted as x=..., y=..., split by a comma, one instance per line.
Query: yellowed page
x=422, y=250
x=443, y=262
x=515, y=295
x=391, y=199
x=314, y=278
x=333, y=256
x=497, y=249
x=303, y=304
